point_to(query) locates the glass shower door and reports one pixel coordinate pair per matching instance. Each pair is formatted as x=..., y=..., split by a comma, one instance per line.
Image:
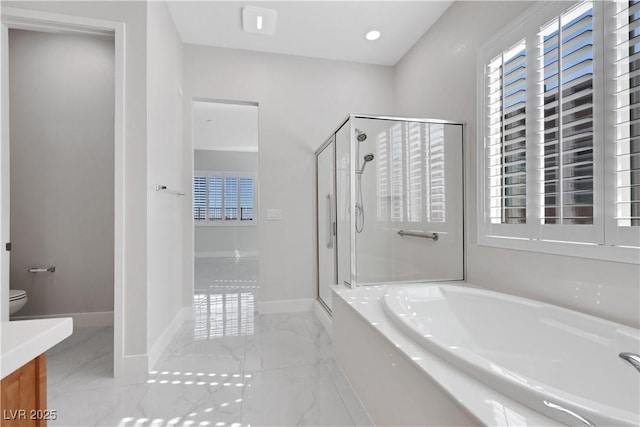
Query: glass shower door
x=408, y=189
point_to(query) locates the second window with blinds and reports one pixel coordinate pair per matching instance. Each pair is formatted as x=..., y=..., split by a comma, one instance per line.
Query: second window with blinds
x=559, y=144
x=221, y=198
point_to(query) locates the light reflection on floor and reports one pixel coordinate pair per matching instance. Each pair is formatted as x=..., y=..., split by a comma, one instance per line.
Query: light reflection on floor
x=225, y=294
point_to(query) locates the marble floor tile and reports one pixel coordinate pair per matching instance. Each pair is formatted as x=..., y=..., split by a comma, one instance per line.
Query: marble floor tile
x=280, y=348
x=298, y=396
x=104, y=406
x=228, y=367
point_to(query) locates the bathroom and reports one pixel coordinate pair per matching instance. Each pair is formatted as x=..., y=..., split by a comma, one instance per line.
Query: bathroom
x=303, y=94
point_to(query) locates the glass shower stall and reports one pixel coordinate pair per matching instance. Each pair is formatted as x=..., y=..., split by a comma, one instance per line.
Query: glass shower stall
x=390, y=203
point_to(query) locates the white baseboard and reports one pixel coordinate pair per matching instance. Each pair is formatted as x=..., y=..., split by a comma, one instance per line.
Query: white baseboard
x=136, y=365
x=226, y=254
x=323, y=316
x=286, y=306
x=80, y=320
x=161, y=344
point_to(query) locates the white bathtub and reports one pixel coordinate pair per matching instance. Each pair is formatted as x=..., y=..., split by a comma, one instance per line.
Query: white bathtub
x=561, y=363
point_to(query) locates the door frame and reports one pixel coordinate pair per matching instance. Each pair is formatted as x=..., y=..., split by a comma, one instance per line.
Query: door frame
x=35, y=20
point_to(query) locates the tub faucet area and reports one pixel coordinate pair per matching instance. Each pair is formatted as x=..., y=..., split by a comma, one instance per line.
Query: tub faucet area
x=631, y=358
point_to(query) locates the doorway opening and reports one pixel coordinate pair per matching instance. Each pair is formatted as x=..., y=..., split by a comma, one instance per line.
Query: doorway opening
x=62, y=172
x=225, y=218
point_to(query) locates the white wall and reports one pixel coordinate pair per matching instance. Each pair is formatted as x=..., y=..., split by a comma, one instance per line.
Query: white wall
x=164, y=166
x=62, y=203
x=301, y=102
x=134, y=15
x=224, y=126
x=216, y=240
x=437, y=78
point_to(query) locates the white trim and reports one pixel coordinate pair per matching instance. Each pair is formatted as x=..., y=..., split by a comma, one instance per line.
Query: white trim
x=80, y=320
x=226, y=223
x=135, y=365
x=46, y=21
x=622, y=254
x=286, y=306
x=161, y=344
x=226, y=254
x=323, y=316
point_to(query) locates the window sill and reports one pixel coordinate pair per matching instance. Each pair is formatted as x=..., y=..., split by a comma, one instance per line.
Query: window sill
x=225, y=224
x=622, y=254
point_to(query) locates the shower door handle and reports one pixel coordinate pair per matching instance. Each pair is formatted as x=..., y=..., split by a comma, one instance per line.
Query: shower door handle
x=331, y=222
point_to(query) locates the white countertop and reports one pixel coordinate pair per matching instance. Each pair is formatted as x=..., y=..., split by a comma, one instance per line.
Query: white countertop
x=23, y=340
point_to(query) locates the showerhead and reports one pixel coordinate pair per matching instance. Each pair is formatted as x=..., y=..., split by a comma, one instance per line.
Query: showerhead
x=360, y=136
x=367, y=159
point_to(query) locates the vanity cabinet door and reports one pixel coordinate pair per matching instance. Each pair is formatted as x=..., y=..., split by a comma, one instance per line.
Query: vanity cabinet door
x=24, y=395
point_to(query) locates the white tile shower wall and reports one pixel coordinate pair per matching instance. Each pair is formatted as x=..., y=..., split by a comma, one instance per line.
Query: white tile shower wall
x=164, y=159
x=437, y=77
x=301, y=100
x=62, y=130
x=225, y=241
x=134, y=15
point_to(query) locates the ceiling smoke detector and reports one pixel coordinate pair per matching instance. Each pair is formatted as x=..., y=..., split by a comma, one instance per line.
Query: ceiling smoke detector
x=259, y=20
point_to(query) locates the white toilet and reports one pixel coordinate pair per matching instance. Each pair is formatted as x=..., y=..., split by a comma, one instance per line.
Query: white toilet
x=17, y=300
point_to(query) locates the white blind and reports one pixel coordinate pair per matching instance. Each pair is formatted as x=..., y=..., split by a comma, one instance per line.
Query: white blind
x=230, y=198
x=627, y=112
x=222, y=196
x=199, y=198
x=506, y=136
x=214, y=198
x=566, y=45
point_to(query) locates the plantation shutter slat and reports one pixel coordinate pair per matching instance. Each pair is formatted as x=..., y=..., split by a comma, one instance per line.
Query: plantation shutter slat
x=506, y=142
x=567, y=147
x=246, y=199
x=397, y=186
x=230, y=198
x=383, y=177
x=414, y=172
x=627, y=114
x=215, y=198
x=199, y=198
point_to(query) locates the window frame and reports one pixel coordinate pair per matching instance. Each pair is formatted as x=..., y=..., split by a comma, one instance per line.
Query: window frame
x=226, y=222
x=601, y=240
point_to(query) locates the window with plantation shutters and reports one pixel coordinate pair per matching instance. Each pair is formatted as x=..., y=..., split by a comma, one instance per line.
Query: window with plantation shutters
x=559, y=132
x=223, y=198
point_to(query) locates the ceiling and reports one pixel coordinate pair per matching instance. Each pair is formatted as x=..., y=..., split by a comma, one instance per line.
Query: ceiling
x=318, y=29
x=224, y=126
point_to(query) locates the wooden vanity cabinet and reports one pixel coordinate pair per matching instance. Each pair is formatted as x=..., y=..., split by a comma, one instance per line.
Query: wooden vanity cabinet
x=23, y=395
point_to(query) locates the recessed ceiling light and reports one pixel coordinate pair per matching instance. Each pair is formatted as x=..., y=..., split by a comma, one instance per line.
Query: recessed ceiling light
x=373, y=35
x=259, y=20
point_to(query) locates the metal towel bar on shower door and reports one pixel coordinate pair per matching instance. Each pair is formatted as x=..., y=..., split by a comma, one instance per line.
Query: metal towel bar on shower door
x=433, y=236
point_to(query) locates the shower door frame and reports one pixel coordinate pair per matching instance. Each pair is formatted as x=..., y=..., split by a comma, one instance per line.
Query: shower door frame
x=41, y=21
x=326, y=144
x=352, y=179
